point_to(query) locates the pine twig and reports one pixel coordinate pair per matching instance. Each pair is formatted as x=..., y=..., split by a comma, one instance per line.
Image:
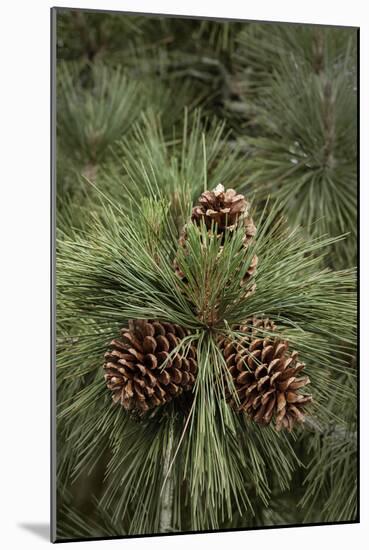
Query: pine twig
x=166, y=511
x=332, y=430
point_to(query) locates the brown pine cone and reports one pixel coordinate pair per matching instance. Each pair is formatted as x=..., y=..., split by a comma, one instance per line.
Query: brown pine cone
x=228, y=209
x=133, y=365
x=257, y=327
x=265, y=377
x=225, y=208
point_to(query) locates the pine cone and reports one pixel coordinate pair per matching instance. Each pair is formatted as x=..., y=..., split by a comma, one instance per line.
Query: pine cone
x=225, y=208
x=265, y=377
x=133, y=365
x=228, y=210
x=257, y=327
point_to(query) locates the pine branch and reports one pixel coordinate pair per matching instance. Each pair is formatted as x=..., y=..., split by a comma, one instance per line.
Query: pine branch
x=330, y=430
x=218, y=451
x=166, y=521
x=90, y=119
x=306, y=156
x=137, y=167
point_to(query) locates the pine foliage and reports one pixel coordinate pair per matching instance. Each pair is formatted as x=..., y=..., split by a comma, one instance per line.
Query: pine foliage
x=151, y=112
x=305, y=106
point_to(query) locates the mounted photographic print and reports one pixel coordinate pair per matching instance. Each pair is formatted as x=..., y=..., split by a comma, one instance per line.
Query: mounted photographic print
x=204, y=374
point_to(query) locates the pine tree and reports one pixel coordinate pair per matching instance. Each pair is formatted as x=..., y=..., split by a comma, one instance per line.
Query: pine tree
x=233, y=379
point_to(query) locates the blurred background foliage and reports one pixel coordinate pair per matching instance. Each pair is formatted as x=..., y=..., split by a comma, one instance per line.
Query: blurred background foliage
x=272, y=108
